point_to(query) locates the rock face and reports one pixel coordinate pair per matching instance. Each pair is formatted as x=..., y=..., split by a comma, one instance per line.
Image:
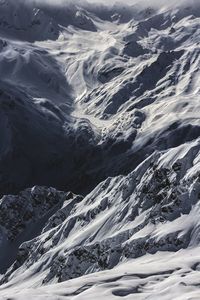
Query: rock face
x=102, y=101
x=23, y=216
x=29, y=206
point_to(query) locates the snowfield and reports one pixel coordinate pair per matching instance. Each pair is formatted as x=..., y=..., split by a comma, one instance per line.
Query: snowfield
x=102, y=101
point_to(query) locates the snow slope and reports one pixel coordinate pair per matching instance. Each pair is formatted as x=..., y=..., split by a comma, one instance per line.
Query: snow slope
x=103, y=101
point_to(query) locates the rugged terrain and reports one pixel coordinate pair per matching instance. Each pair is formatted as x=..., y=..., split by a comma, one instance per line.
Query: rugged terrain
x=100, y=151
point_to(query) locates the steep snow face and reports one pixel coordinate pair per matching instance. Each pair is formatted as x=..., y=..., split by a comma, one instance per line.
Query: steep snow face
x=155, y=208
x=34, y=71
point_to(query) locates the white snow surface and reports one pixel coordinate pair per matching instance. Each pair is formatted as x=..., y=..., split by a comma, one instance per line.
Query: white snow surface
x=103, y=100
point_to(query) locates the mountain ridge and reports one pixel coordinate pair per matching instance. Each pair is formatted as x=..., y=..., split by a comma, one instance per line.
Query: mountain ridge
x=102, y=101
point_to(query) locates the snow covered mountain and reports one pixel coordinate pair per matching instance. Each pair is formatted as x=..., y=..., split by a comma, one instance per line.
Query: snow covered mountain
x=102, y=101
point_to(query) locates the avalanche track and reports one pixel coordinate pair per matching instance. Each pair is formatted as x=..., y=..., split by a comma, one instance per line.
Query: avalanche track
x=102, y=101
